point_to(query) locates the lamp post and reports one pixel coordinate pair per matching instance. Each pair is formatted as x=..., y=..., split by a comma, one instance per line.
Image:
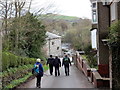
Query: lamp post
x=49, y=46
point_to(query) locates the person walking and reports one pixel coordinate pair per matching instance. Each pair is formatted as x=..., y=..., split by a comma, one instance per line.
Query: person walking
x=50, y=62
x=66, y=62
x=38, y=71
x=57, y=64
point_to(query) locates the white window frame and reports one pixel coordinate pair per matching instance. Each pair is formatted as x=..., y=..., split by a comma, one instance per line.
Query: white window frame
x=113, y=10
x=94, y=9
x=94, y=38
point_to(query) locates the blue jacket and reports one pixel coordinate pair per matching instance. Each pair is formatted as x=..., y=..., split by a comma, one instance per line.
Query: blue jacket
x=39, y=68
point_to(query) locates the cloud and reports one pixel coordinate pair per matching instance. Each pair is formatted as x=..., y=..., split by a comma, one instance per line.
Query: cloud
x=79, y=8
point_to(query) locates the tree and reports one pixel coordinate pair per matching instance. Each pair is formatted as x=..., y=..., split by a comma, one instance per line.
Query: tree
x=18, y=7
x=79, y=34
x=5, y=13
x=13, y=15
x=31, y=36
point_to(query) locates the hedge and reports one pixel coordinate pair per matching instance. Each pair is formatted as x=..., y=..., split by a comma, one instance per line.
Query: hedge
x=15, y=73
x=10, y=60
x=15, y=76
x=15, y=83
x=15, y=67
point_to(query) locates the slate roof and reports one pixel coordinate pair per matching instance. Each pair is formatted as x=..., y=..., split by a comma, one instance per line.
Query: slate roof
x=52, y=36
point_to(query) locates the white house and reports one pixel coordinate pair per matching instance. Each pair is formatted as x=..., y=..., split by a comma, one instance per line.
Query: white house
x=53, y=44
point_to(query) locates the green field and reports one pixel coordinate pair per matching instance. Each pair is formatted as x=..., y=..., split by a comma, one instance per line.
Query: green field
x=58, y=17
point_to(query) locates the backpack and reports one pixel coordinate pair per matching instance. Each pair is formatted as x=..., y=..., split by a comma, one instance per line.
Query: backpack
x=66, y=59
x=36, y=71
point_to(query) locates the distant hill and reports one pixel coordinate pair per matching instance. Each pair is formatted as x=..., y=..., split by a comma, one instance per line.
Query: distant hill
x=59, y=17
x=61, y=24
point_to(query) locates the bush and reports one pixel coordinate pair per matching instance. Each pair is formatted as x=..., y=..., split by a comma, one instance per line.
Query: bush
x=5, y=61
x=91, y=56
x=32, y=60
x=14, y=83
x=114, y=43
x=13, y=60
x=19, y=61
x=15, y=73
x=10, y=60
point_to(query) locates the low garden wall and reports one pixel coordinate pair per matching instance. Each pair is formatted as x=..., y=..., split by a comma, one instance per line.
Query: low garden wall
x=93, y=75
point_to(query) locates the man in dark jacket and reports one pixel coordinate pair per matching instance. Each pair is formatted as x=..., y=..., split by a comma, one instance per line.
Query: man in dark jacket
x=38, y=69
x=66, y=62
x=57, y=64
x=50, y=62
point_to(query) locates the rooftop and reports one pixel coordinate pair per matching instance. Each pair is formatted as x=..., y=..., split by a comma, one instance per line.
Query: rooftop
x=52, y=36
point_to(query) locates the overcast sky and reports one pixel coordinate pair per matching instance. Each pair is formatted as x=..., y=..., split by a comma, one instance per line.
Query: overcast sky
x=79, y=8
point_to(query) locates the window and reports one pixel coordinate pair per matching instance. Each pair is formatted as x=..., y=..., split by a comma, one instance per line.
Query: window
x=94, y=16
x=94, y=5
x=113, y=11
x=52, y=43
x=57, y=48
x=94, y=38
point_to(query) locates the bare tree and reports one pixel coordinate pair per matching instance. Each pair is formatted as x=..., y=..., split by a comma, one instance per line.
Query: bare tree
x=18, y=7
x=5, y=13
x=30, y=5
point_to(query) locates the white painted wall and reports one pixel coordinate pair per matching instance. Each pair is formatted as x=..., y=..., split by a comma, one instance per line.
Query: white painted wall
x=51, y=49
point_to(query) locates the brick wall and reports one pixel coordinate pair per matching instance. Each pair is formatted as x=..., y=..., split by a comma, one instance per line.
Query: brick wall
x=118, y=10
x=103, y=24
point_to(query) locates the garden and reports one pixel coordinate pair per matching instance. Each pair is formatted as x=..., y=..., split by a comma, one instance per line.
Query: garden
x=16, y=69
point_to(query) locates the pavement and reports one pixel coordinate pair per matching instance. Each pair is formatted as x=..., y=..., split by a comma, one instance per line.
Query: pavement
x=76, y=79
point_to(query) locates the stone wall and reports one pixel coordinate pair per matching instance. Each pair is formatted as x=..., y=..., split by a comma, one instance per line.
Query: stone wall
x=53, y=47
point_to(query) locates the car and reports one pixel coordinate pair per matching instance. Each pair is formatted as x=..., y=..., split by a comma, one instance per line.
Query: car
x=81, y=52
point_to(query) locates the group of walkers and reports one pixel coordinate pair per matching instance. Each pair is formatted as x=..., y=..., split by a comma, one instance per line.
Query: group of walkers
x=55, y=62
x=52, y=62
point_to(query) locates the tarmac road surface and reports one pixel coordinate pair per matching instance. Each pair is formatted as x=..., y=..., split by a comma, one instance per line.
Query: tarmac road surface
x=76, y=79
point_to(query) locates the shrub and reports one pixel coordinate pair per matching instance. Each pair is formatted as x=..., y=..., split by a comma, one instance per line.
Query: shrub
x=13, y=60
x=10, y=60
x=114, y=43
x=91, y=56
x=15, y=73
x=5, y=61
x=19, y=61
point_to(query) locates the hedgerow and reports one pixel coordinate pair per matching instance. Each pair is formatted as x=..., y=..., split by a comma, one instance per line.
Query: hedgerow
x=15, y=73
x=11, y=61
x=114, y=46
x=14, y=76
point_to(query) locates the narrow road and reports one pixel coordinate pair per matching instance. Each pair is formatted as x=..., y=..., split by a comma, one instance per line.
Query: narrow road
x=76, y=80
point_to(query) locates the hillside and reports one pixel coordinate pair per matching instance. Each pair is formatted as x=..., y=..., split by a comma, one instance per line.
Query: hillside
x=73, y=30
x=59, y=17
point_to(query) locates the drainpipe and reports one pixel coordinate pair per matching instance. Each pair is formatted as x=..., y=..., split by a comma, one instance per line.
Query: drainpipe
x=110, y=52
x=109, y=15
x=0, y=47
